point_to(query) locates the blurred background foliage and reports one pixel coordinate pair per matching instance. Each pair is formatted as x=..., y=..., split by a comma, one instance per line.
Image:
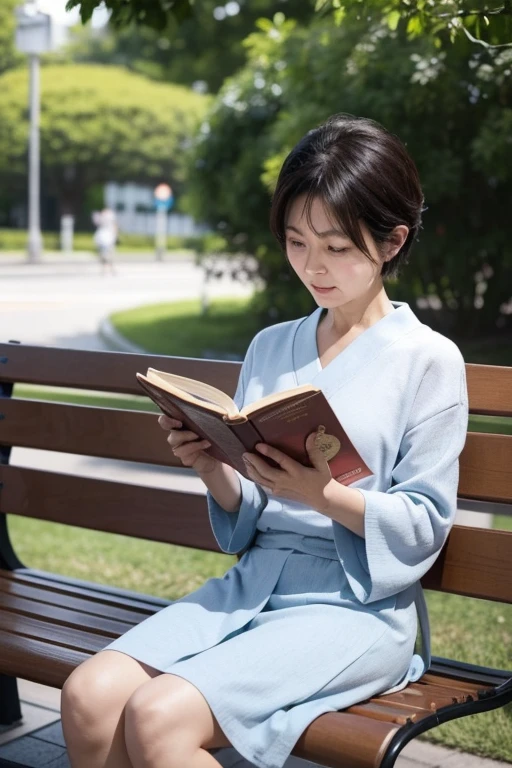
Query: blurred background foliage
x=212, y=98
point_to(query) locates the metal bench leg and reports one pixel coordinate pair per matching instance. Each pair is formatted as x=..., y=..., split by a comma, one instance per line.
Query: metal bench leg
x=10, y=709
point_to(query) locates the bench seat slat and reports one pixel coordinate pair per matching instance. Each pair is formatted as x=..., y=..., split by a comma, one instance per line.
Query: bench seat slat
x=29, y=577
x=65, y=616
x=69, y=637
x=331, y=743
x=91, y=608
x=388, y=713
x=344, y=740
x=37, y=660
x=154, y=513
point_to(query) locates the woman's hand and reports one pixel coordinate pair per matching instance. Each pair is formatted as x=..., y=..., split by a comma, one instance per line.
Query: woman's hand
x=188, y=447
x=292, y=480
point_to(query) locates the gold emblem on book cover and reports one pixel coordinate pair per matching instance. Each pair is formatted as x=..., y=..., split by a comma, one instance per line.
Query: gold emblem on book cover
x=328, y=444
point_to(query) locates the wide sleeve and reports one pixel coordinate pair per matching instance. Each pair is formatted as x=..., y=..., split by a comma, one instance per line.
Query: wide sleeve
x=407, y=525
x=234, y=531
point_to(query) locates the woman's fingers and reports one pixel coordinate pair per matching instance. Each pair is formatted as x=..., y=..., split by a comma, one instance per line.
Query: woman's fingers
x=189, y=451
x=167, y=423
x=178, y=437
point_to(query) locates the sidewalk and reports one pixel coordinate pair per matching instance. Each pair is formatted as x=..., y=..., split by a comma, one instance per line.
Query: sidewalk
x=38, y=742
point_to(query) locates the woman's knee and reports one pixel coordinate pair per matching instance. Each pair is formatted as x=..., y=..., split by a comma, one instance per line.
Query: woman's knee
x=99, y=688
x=168, y=713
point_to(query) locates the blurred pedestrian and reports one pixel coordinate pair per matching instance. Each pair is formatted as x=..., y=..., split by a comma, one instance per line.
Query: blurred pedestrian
x=105, y=238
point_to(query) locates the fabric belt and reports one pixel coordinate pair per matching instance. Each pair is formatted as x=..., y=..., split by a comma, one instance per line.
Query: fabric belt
x=307, y=545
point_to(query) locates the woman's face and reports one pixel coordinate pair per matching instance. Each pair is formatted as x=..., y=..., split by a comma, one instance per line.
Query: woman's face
x=329, y=264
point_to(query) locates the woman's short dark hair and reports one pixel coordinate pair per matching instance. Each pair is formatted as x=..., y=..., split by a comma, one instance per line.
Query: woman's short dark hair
x=362, y=173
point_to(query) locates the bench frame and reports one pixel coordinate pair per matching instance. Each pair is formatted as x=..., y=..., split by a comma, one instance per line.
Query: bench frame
x=484, y=477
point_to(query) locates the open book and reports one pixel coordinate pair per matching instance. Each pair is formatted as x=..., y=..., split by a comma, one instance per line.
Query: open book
x=283, y=420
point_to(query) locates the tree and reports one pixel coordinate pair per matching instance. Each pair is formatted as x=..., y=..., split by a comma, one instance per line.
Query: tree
x=9, y=56
x=489, y=25
x=98, y=124
x=203, y=49
x=452, y=108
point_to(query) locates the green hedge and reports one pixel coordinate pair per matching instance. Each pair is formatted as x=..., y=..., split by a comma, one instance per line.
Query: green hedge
x=16, y=240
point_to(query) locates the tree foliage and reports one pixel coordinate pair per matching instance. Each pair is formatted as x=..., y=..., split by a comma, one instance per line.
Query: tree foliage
x=483, y=21
x=97, y=124
x=203, y=49
x=452, y=107
x=9, y=56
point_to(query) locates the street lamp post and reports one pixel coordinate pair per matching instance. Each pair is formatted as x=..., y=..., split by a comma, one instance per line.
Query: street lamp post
x=33, y=37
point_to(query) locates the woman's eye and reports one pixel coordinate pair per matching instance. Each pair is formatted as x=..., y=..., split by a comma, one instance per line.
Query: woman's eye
x=338, y=250
x=296, y=243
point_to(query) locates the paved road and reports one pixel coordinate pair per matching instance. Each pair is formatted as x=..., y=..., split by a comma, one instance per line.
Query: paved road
x=62, y=304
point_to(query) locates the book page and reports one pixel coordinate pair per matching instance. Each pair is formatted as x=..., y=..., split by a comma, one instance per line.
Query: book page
x=196, y=390
x=278, y=397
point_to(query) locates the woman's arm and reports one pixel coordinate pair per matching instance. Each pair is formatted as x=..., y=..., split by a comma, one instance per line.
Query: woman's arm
x=224, y=485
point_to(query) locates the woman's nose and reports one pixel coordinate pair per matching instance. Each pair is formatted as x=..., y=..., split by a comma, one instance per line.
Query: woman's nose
x=314, y=266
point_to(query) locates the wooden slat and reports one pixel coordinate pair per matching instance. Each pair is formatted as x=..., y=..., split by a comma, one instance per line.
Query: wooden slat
x=342, y=740
x=68, y=637
x=485, y=461
x=37, y=660
x=474, y=562
x=17, y=589
x=104, y=371
x=105, y=432
x=148, y=513
x=490, y=389
x=489, y=386
x=64, y=616
x=109, y=596
x=486, y=467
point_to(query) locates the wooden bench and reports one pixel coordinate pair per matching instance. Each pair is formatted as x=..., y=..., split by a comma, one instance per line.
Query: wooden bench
x=49, y=623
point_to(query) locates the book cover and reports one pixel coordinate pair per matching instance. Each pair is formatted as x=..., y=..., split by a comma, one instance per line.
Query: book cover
x=283, y=420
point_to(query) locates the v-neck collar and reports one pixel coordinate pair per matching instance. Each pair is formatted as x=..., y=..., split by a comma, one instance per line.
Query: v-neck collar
x=360, y=351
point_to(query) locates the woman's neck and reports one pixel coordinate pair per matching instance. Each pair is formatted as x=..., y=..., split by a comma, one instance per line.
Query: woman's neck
x=356, y=318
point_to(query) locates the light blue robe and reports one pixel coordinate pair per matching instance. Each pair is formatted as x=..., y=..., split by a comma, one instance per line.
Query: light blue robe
x=314, y=618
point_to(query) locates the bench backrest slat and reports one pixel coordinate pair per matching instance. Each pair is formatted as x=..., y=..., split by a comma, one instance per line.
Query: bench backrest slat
x=475, y=562
x=486, y=467
x=105, y=432
x=156, y=514
x=490, y=389
x=104, y=371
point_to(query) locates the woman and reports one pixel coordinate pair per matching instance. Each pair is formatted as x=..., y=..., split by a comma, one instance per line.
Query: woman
x=321, y=611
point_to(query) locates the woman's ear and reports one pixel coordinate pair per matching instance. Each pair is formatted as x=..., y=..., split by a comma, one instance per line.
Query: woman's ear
x=395, y=241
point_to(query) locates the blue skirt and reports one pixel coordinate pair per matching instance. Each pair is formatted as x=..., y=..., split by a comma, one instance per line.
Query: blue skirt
x=278, y=641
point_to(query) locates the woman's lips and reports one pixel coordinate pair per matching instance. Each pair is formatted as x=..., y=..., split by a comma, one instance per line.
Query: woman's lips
x=321, y=290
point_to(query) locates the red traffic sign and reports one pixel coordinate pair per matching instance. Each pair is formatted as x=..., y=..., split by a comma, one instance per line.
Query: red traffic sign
x=162, y=192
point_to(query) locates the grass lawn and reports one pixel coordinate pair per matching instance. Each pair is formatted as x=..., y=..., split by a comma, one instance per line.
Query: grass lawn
x=180, y=328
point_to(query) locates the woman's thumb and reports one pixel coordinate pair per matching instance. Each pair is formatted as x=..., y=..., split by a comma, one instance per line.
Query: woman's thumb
x=315, y=453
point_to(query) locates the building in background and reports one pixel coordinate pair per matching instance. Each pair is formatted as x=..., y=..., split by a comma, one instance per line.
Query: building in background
x=135, y=211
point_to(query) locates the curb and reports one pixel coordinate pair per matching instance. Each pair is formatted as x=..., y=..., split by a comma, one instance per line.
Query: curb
x=117, y=341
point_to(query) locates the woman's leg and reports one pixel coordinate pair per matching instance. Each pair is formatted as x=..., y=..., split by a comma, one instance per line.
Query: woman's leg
x=168, y=724
x=93, y=701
